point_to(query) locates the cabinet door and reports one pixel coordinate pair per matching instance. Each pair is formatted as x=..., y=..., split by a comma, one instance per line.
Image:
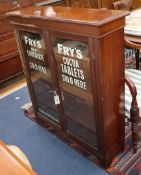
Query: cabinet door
x=38, y=68
x=74, y=77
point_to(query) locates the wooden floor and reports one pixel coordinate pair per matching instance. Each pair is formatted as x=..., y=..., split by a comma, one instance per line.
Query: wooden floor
x=12, y=85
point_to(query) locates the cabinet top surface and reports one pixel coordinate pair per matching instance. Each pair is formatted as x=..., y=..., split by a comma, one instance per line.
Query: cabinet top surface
x=95, y=17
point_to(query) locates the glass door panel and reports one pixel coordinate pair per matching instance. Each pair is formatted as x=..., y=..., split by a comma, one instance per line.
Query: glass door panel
x=40, y=73
x=74, y=75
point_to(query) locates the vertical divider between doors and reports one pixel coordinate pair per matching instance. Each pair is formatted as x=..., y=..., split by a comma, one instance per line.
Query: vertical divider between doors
x=53, y=66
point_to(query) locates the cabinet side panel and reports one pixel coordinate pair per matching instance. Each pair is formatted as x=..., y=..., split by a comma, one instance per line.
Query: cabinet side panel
x=112, y=79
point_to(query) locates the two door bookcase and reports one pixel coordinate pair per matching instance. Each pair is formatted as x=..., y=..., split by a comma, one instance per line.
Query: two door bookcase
x=74, y=67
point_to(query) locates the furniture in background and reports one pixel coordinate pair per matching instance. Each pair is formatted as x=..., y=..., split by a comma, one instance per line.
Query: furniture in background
x=132, y=103
x=19, y=154
x=133, y=26
x=82, y=3
x=99, y=3
x=10, y=63
x=75, y=82
x=13, y=161
x=50, y=2
x=134, y=50
x=122, y=5
x=133, y=34
x=133, y=41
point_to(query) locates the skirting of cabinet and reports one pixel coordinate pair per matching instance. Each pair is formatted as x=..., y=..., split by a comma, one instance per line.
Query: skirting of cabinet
x=10, y=67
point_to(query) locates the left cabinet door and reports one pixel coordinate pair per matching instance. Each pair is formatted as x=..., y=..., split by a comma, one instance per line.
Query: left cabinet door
x=38, y=71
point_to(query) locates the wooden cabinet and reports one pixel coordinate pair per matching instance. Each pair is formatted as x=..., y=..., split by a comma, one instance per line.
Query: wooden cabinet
x=75, y=79
x=10, y=64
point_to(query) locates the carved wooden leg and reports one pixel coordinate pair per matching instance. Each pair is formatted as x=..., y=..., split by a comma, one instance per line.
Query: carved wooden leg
x=137, y=56
x=134, y=112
